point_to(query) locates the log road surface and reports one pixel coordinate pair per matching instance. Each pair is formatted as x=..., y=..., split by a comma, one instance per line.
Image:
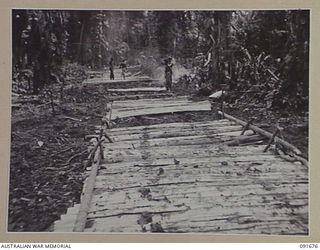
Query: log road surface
x=194, y=177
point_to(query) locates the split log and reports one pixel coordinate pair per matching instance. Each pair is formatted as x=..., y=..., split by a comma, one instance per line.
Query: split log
x=142, y=89
x=245, y=139
x=119, y=81
x=178, y=210
x=87, y=195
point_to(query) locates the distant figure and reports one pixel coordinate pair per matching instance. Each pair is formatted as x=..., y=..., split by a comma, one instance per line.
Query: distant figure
x=111, y=69
x=123, y=67
x=168, y=73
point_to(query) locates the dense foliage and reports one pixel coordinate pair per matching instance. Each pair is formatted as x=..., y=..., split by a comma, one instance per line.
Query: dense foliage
x=236, y=48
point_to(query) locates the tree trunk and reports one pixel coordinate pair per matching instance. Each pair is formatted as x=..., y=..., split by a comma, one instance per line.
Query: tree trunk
x=80, y=59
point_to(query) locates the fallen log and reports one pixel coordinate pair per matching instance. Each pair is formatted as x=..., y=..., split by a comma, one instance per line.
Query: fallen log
x=243, y=139
x=264, y=133
x=81, y=219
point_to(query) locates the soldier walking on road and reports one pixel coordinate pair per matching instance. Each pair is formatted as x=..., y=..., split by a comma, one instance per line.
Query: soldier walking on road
x=123, y=67
x=111, y=66
x=168, y=73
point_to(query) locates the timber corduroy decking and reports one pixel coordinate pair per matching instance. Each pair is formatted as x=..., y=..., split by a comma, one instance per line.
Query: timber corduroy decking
x=183, y=177
x=129, y=108
x=186, y=177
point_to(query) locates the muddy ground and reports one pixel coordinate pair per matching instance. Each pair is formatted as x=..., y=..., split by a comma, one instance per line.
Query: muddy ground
x=49, y=151
x=48, y=154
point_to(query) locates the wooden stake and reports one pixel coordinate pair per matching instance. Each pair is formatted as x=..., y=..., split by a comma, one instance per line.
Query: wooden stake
x=51, y=101
x=109, y=138
x=100, y=146
x=110, y=115
x=222, y=106
x=245, y=128
x=271, y=139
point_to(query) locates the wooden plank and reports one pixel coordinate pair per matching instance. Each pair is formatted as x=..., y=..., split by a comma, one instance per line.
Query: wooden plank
x=167, y=134
x=163, y=142
x=234, y=168
x=179, y=140
x=176, y=189
x=209, y=194
x=176, y=125
x=119, y=81
x=137, y=165
x=135, y=96
x=154, y=106
x=155, y=143
x=214, y=169
x=141, y=89
x=142, y=103
x=185, y=152
x=152, y=101
x=186, y=129
x=187, y=180
x=81, y=218
x=182, y=225
x=179, y=189
x=134, y=203
x=199, y=106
